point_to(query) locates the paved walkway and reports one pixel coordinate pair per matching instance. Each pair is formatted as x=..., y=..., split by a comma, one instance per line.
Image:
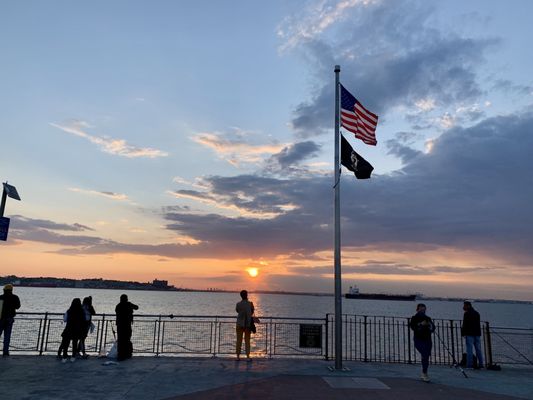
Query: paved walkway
x=32, y=377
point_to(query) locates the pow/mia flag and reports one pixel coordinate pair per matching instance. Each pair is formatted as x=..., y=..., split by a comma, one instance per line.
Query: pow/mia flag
x=354, y=162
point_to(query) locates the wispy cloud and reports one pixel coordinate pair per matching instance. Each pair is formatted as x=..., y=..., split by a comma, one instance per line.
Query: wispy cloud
x=237, y=147
x=118, y=147
x=109, y=195
x=315, y=21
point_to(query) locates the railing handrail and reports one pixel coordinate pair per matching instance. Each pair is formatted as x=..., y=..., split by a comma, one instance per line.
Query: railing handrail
x=179, y=316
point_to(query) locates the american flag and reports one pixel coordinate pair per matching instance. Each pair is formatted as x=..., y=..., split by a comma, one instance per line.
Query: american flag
x=358, y=119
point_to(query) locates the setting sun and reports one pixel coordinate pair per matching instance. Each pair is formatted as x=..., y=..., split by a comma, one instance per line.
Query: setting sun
x=253, y=272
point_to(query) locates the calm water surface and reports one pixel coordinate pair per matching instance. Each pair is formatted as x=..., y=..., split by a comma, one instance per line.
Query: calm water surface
x=193, y=303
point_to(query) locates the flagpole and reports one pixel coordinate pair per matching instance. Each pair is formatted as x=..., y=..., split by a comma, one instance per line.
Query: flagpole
x=338, y=286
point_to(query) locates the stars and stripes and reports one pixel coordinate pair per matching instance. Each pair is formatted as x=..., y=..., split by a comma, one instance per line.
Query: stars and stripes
x=357, y=119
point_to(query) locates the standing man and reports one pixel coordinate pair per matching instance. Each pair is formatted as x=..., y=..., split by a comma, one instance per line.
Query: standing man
x=423, y=327
x=471, y=330
x=245, y=310
x=124, y=312
x=9, y=303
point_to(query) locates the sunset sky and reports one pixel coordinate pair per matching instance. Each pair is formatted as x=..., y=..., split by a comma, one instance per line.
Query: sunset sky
x=193, y=141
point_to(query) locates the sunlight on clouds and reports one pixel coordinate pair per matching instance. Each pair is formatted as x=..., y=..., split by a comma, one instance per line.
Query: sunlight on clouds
x=109, y=145
x=314, y=21
x=207, y=199
x=425, y=105
x=428, y=146
x=186, y=240
x=235, y=149
x=447, y=121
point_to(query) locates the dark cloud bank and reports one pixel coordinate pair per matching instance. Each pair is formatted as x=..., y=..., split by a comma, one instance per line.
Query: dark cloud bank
x=473, y=191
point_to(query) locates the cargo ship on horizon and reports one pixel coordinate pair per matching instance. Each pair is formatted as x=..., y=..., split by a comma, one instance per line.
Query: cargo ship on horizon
x=354, y=293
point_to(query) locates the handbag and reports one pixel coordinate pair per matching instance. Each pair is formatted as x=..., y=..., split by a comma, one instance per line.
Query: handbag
x=255, y=320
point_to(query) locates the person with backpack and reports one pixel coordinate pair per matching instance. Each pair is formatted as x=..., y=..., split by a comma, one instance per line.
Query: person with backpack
x=471, y=331
x=423, y=327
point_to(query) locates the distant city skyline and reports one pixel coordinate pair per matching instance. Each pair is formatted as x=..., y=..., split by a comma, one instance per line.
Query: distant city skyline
x=158, y=140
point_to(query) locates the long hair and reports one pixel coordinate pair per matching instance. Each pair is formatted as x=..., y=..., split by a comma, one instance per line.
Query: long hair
x=76, y=304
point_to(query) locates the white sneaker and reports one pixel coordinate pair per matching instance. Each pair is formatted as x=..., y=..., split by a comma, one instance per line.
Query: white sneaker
x=425, y=377
x=64, y=360
x=72, y=359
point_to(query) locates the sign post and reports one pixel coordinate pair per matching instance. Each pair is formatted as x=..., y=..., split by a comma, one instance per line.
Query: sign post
x=8, y=191
x=4, y=228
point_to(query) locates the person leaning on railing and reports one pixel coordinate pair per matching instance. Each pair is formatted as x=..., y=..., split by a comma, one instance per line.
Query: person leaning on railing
x=9, y=303
x=124, y=311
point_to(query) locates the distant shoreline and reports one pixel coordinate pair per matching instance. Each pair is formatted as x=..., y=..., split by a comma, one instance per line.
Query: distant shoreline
x=162, y=286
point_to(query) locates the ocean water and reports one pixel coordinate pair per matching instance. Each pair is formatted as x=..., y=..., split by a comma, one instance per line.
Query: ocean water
x=275, y=305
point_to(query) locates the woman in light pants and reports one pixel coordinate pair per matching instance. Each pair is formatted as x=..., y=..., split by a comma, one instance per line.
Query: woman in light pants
x=245, y=310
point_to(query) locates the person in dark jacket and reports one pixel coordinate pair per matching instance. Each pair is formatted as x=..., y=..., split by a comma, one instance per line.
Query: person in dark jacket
x=124, y=312
x=73, y=332
x=88, y=311
x=471, y=330
x=423, y=327
x=9, y=304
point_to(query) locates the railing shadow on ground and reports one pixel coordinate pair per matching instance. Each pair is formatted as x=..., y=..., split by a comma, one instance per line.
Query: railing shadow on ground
x=365, y=338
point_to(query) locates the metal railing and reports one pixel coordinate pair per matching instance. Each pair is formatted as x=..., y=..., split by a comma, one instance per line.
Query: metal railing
x=40, y=333
x=365, y=338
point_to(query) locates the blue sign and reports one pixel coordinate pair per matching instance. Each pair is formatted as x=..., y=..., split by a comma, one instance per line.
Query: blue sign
x=4, y=228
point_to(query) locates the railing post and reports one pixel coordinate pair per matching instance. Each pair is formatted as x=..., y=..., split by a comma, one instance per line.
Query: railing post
x=270, y=327
x=43, y=336
x=409, y=340
x=158, y=332
x=366, y=339
x=327, y=338
x=102, y=334
x=452, y=330
x=488, y=345
x=214, y=337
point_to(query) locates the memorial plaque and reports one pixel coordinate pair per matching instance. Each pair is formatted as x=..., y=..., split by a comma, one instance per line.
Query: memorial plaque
x=311, y=335
x=4, y=228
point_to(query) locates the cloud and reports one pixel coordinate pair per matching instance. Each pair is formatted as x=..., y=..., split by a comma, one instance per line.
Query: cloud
x=249, y=195
x=289, y=159
x=108, y=195
x=391, y=59
x=46, y=231
x=237, y=147
x=506, y=85
x=314, y=21
x=471, y=193
x=397, y=148
x=390, y=268
x=24, y=223
x=118, y=147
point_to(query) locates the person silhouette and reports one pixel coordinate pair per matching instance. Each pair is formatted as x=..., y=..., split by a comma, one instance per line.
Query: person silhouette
x=245, y=310
x=9, y=304
x=124, y=315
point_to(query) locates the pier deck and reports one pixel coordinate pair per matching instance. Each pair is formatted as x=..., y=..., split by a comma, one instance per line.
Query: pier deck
x=33, y=377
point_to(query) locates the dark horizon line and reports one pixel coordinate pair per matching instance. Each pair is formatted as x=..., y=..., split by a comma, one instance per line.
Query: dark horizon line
x=148, y=286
